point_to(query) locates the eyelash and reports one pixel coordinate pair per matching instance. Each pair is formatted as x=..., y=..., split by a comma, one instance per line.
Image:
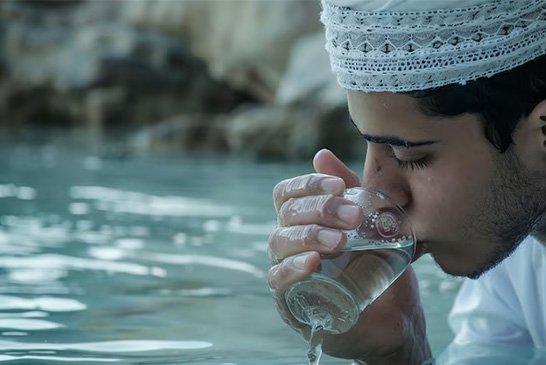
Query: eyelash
x=412, y=165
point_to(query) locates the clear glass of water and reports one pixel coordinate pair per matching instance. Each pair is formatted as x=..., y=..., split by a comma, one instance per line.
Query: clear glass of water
x=374, y=256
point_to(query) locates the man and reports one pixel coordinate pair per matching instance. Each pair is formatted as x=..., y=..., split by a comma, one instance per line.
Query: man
x=451, y=99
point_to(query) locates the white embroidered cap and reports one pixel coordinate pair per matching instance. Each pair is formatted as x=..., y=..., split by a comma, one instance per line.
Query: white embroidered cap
x=408, y=45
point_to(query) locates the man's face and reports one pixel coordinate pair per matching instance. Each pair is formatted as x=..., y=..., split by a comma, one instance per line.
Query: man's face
x=469, y=204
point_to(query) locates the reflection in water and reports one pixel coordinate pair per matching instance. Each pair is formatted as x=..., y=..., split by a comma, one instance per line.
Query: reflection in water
x=19, y=192
x=46, y=352
x=28, y=324
x=109, y=346
x=151, y=260
x=214, y=262
x=52, y=261
x=48, y=304
x=77, y=360
x=120, y=201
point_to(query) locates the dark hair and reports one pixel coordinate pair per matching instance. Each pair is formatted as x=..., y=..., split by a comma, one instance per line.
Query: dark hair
x=500, y=101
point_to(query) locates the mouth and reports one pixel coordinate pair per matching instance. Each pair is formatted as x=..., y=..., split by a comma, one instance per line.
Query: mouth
x=420, y=249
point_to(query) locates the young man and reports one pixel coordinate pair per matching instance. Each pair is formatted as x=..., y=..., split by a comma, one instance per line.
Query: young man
x=451, y=99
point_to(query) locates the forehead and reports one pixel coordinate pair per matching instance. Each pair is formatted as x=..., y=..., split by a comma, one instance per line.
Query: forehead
x=362, y=104
x=376, y=113
x=399, y=115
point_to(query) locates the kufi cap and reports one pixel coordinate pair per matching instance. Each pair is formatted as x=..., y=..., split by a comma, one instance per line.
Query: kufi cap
x=409, y=45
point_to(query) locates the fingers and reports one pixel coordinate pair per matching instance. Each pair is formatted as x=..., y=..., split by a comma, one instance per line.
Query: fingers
x=293, y=269
x=280, y=277
x=333, y=177
x=288, y=241
x=326, y=210
x=325, y=162
x=311, y=184
x=311, y=216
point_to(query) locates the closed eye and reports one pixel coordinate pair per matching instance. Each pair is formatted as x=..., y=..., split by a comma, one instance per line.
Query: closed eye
x=413, y=165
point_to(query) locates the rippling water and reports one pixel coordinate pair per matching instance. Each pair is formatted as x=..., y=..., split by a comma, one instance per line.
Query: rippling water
x=148, y=260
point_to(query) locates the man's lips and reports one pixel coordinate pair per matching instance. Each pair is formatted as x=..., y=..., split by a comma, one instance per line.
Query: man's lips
x=420, y=250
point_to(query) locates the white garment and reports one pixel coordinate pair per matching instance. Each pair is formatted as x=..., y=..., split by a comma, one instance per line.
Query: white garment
x=502, y=310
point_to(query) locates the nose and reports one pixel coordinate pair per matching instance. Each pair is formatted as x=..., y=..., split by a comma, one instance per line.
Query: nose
x=381, y=173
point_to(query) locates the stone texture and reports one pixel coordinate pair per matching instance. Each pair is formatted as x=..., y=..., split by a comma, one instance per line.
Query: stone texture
x=238, y=76
x=187, y=132
x=246, y=43
x=104, y=72
x=292, y=132
x=308, y=75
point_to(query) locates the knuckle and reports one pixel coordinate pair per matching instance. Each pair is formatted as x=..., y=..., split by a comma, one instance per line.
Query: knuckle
x=271, y=255
x=273, y=235
x=278, y=195
x=325, y=205
x=285, y=209
x=282, y=271
x=271, y=279
x=296, y=185
x=310, y=234
x=314, y=181
x=278, y=190
x=275, y=276
x=299, y=183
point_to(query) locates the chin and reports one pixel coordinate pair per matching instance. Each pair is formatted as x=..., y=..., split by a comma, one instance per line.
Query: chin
x=470, y=262
x=459, y=266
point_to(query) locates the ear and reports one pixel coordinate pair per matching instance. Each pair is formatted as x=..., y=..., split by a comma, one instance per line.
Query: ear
x=530, y=138
x=538, y=119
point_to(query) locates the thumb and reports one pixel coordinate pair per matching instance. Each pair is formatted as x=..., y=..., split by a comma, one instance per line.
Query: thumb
x=325, y=162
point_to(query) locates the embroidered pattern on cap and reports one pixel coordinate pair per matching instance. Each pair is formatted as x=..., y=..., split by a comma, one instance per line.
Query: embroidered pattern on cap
x=417, y=50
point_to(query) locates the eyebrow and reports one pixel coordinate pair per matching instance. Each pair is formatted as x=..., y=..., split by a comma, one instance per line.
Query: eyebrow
x=391, y=140
x=395, y=141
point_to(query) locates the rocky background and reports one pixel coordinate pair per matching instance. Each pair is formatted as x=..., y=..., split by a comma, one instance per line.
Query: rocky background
x=230, y=76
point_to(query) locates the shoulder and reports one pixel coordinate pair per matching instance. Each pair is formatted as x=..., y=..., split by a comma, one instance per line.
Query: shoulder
x=527, y=260
x=506, y=303
x=523, y=270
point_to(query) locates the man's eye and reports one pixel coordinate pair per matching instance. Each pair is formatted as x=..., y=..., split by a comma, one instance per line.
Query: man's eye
x=413, y=165
x=419, y=163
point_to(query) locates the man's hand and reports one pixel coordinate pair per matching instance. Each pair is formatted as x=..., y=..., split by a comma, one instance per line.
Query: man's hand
x=312, y=216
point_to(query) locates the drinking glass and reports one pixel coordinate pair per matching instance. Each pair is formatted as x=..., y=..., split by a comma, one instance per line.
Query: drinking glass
x=374, y=256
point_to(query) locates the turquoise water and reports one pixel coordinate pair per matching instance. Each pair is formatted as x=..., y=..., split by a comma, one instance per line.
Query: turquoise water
x=149, y=260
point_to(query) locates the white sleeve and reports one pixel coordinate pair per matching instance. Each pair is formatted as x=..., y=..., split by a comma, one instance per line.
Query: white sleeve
x=501, y=315
x=489, y=354
x=486, y=311
x=487, y=322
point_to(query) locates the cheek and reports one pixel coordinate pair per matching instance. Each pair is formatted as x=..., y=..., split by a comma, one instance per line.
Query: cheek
x=443, y=201
x=433, y=207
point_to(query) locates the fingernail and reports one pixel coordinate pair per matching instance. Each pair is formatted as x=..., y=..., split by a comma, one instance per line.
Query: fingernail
x=349, y=213
x=329, y=237
x=299, y=261
x=331, y=185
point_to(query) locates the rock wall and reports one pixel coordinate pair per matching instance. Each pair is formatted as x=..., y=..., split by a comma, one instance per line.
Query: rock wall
x=240, y=76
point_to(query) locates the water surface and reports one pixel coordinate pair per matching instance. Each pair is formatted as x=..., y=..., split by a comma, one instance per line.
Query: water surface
x=149, y=260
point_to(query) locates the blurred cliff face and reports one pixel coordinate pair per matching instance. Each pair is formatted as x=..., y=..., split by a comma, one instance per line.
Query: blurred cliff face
x=245, y=42
x=220, y=75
